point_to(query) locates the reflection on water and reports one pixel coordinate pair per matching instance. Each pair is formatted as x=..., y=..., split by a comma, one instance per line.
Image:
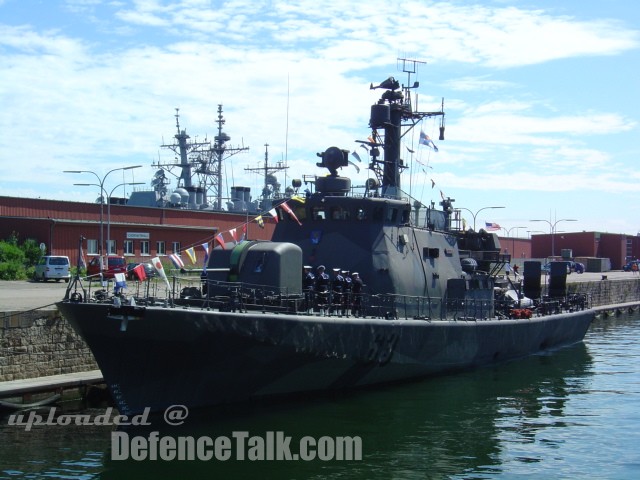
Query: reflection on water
x=566, y=414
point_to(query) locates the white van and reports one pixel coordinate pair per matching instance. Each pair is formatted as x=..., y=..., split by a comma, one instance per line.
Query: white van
x=54, y=267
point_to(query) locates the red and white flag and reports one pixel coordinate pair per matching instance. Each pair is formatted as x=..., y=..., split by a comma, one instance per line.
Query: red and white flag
x=287, y=209
x=219, y=238
x=139, y=272
x=157, y=264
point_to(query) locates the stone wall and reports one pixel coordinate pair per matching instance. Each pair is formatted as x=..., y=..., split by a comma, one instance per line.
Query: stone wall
x=607, y=292
x=40, y=343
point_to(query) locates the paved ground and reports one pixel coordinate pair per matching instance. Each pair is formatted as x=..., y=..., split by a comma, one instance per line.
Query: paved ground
x=27, y=295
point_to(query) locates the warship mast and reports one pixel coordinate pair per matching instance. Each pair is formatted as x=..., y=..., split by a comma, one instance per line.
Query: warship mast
x=184, y=149
x=219, y=152
x=269, y=178
x=393, y=113
x=201, y=159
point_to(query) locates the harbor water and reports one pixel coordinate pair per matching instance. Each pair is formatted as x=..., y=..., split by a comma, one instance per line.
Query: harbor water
x=572, y=413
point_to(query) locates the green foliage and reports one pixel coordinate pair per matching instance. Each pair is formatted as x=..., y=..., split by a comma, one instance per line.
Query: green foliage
x=17, y=261
x=32, y=251
x=12, y=262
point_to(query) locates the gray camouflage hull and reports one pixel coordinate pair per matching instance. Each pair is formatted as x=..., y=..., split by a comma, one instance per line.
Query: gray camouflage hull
x=160, y=356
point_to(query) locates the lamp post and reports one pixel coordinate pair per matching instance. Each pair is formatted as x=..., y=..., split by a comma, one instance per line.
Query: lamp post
x=476, y=213
x=109, y=209
x=552, y=230
x=513, y=239
x=102, y=192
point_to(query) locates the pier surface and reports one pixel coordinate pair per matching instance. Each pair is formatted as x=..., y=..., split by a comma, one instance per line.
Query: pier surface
x=52, y=382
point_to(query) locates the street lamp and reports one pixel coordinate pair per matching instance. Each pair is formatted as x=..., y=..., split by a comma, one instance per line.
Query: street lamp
x=102, y=192
x=109, y=210
x=476, y=214
x=552, y=230
x=513, y=243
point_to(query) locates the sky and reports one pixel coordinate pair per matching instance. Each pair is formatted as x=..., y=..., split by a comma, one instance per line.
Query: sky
x=541, y=97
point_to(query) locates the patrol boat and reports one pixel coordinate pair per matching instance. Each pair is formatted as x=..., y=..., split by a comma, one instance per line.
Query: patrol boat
x=431, y=299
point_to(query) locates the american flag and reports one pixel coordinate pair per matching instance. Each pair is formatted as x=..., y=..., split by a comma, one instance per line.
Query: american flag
x=491, y=227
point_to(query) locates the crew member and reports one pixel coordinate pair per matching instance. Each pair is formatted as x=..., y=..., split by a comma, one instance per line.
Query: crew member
x=322, y=289
x=346, y=294
x=337, y=290
x=308, y=285
x=356, y=292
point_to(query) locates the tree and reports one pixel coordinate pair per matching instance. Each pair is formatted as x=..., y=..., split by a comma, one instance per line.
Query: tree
x=16, y=261
x=12, y=261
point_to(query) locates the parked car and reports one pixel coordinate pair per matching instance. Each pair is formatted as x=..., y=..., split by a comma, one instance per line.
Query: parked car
x=110, y=266
x=149, y=270
x=577, y=267
x=53, y=267
x=571, y=267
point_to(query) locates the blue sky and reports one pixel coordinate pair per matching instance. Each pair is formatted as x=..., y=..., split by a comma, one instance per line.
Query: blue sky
x=542, y=97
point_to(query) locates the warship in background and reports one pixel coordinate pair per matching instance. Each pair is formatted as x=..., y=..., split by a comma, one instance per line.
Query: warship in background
x=431, y=300
x=198, y=170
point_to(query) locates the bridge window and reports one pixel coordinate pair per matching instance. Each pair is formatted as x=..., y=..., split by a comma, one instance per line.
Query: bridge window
x=319, y=213
x=339, y=213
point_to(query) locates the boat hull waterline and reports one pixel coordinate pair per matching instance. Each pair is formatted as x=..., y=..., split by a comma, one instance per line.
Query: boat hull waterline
x=167, y=356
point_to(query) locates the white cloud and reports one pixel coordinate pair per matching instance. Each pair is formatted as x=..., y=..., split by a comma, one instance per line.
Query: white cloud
x=295, y=75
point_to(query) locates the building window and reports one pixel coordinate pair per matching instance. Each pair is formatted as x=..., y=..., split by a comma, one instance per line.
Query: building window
x=92, y=247
x=144, y=247
x=160, y=248
x=175, y=247
x=128, y=247
x=111, y=247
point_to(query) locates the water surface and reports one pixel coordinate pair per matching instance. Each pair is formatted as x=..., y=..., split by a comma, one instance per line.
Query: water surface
x=572, y=413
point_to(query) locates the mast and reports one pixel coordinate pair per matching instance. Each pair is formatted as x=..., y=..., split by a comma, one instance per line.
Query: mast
x=268, y=172
x=220, y=151
x=395, y=115
x=203, y=160
x=184, y=150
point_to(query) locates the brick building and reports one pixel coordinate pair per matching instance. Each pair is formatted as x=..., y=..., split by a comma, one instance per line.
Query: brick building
x=618, y=248
x=143, y=232
x=138, y=233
